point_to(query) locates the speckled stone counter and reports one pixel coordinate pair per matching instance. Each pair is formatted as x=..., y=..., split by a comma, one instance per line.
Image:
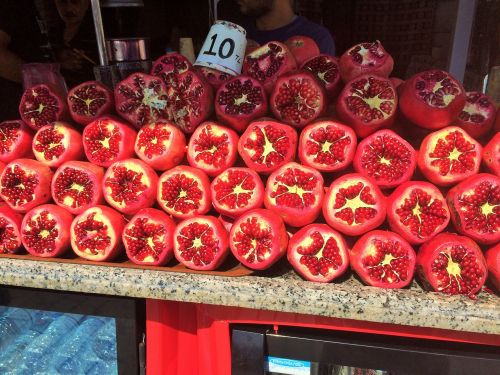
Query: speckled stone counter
x=282, y=291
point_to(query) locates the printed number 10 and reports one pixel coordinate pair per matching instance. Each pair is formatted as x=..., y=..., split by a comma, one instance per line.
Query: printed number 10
x=222, y=46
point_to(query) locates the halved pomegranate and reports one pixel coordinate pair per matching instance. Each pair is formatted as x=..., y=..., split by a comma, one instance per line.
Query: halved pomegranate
x=184, y=191
x=96, y=234
x=168, y=66
x=215, y=77
x=368, y=103
x=417, y=211
x=383, y=259
x=240, y=101
x=10, y=225
x=141, y=99
x=24, y=184
x=432, y=99
x=491, y=154
x=212, y=148
x=354, y=204
x=478, y=115
x=326, y=70
x=387, y=158
x=267, y=145
x=302, y=48
x=15, y=141
x=363, y=58
x=201, y=243
x=268, y=62
x=41, y=105
x=148, y=237
x=318, y=253
x=45, y=231
x=107, y=140
x=448, y=156
x=77, y=185
x=475, y=207
x=130, y=185
x=493, y=262
x=57, y=143
x=90, y=100
x=258, y=239
x=295, y=192
x=452, y=264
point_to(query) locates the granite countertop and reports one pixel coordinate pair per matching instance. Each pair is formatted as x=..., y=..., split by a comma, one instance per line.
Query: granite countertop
x=281, y=290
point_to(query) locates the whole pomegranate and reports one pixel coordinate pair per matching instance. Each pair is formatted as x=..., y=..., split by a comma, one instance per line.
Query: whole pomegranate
x=90, y=100
x=15, y=141
x=363, y=58
x=491, y=155
x=302, y=48
x=10, y=225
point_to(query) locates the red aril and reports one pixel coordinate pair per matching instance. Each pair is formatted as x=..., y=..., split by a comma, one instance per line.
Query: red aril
x=326, y=70
x=89, y=101
x=354, y=204
x=215, y=77
x=364, y=58
x=318, y=253
x=493, y=262
x=212, y=148
x=45, y=231
x=41, y=105
x=295, y=192
x=302, y=48
x=168, y=66
x=451, y=264
x=15, y=141
x=10, y=224
x=417, y=211
x=148, y=237
x=258, y=239
x=478, y=115
x=491, y=154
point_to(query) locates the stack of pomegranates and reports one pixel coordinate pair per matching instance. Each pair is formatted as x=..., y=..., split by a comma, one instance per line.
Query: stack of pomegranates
x=330, y=161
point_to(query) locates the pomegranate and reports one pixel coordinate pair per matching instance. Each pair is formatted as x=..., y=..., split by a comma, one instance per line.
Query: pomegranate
x=258, y=239
x=295, y=192
x=365, y=58
x=302, y=48
x=396, y=82
x=478, y=115
x=236, y=191
x=497, y=121
x=45, y=231
x=491, y=154
x=212, y=148
x=452, y=264
x=417, y=211
x=326, y=70
x=354, y=204
x=89, y=101
x=493, y=262
x=10, y=225
x=57, y=143
x=240, y=101
x=383, y=259
x=107, y=140
x=96, y=234
x=448, y=156
x=267, y=145
x=318, y=253
x=252, y=45
x=268, y=62
x=41, y=105
x=432, y=99
x=367, y=103
x=141, y=99
x=24, y=184
x=15, y=141
x=130, y=185
x=201, y=243
x=215, y=77
x=77, y=186
x=148, y=237
x=184, y=191
x=475, y=207
x=168, y=66
x=327, y=146
x=387, y=158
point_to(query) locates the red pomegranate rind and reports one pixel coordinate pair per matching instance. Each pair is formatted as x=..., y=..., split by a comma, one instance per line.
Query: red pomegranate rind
x=387, y=158
x=448, y=156
x=107, y=140
x=10, y=235
x=201, y=243
x=354, y=205
x=183, y=192
x=41, y=105
x=212, y=148
x=240, y=101
x=491, y=155
x=493, y=262
x=318, y=253
x=215, y=77
x=267, y=145
x=45, y=231
x=88, y=101
x=96, y=234
x=432, y=99
x=15, y=140
x=452, y=264
x=363, y=58
x=295, y=192
x=478, y=115
x=302, y=48
x=396, y=82
x=258, y=239
x=148, y=237
x=383, y=259
x=24, y=184
x=168, y=66
x=417, y=211
x=475, y=208
x=326, y=70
